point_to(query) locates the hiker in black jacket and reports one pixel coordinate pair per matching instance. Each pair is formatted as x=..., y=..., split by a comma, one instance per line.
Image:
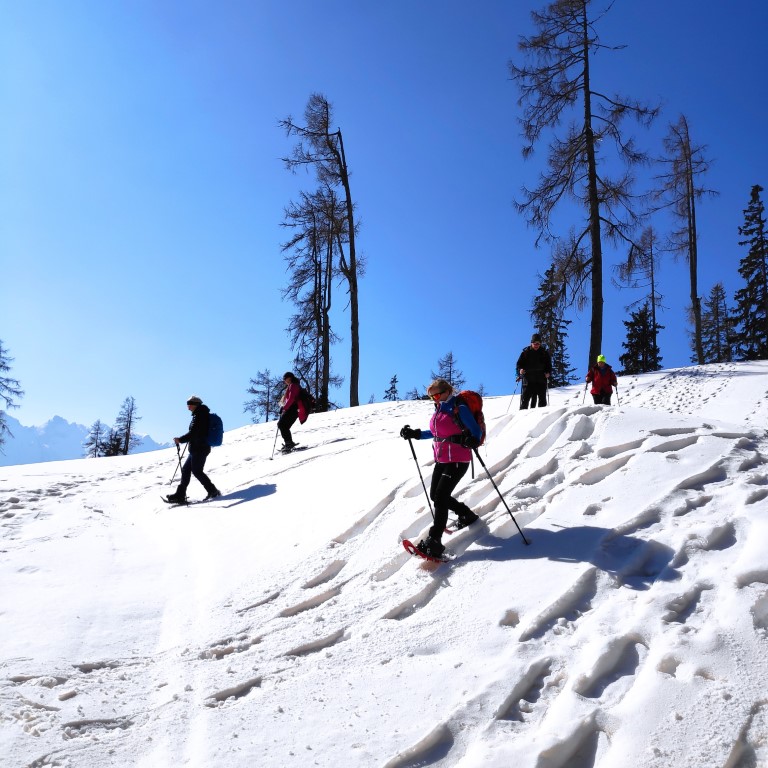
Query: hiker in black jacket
x=197, y=438
x=534, y=366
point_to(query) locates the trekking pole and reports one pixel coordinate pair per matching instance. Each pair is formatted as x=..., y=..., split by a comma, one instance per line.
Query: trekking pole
x=617, y=394
x=271, y=455
x=423, y=485
x=178, y=466
x=479, y=458
x=513, y=394
x=585, y=393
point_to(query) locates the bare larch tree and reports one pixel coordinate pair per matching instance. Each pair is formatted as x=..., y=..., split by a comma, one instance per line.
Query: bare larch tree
x=679, y=189
x=323, y=149
x=558, y=81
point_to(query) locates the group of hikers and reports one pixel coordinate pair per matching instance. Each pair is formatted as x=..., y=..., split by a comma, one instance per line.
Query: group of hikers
x=453, y=429
x=292, y=407
x=534, y=367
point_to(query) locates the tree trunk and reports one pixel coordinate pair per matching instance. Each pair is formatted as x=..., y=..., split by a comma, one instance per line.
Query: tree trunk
x=693, y=260
x=596, y=324
x=351, y=276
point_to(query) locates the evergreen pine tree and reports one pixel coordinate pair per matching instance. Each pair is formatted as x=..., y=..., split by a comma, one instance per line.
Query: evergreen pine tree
x=642, y=352
x=752, y=299
x=96, y=444
x=717, y=327
x=414, y=394
x=447, y=369
x=640, y=271
x=9, y=389
x=125, y=427
x=113, y=445
x=547, y=316
x=391, y=394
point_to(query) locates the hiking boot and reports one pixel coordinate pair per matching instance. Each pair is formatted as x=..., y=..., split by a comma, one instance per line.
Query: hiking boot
x=177, y=498
x=288, y=447
x=466, y=518
x=212, y=494
x=430, y=547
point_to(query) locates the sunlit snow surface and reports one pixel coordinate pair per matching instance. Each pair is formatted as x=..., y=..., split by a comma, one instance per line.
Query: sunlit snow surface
x=284, y=625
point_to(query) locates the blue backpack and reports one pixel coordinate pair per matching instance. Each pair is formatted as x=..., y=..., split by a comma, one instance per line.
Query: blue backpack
x=215, y=430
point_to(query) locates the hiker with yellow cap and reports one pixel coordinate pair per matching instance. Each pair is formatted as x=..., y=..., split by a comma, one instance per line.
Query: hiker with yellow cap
x=603, y=381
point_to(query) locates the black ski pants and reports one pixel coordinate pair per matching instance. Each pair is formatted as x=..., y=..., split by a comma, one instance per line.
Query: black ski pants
x=194, y=465
x=286, y=421
x=533, y=392
x=602, y=398
x=445, y=478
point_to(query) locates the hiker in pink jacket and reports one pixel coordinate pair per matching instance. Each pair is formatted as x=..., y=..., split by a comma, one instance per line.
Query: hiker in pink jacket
x=452, y=457
x=291, y=408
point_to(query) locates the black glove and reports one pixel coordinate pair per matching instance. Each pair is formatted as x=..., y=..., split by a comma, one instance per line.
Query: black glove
x=469, y=441
x=410, y=434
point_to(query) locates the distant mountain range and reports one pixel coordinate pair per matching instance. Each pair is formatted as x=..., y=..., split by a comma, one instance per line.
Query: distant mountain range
x=56, y=440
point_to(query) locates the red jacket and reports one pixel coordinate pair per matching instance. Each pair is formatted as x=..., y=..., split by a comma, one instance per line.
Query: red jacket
x=603, y=379
x=290, y=397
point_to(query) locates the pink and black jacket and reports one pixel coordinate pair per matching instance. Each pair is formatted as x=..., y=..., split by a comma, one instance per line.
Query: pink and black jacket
x=446, y=432
x=292, y=397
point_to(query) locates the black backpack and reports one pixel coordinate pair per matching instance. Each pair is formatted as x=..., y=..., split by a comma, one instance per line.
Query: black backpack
x=309, y=401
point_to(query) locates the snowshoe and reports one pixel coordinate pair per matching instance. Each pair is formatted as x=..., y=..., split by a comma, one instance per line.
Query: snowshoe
x=428, y=549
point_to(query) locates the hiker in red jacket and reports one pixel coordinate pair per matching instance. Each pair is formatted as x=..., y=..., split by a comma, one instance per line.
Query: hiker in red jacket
x=603, y=381
x=291, y=408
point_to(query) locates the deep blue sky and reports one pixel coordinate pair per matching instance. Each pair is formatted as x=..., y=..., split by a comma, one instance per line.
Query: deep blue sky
x=141, y=188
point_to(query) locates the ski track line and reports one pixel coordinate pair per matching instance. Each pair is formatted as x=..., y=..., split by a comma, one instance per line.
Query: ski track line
x=610, y=677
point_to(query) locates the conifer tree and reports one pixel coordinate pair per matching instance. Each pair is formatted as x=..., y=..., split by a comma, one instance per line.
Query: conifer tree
x=640, y=271
x=679, y=189
x=547, y=316
x=9, y=391
x=642, y=353
x=315, y=223
x=96, y=444
x=323, y=148
x=266, y=389
x=125, y=427
x=391, y=394
x=114, y=443
x=717, y=327
x=448, y=370
x=560, y=81
x=414, y=394
x=752, y=299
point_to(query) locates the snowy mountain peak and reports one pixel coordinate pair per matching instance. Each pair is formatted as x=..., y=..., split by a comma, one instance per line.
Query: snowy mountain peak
x=56, y=440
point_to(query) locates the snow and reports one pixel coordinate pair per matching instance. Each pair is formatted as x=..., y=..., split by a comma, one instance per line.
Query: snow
x=284, y=625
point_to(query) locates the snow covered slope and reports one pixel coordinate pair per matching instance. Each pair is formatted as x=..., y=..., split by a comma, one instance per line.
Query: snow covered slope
x=283, y=624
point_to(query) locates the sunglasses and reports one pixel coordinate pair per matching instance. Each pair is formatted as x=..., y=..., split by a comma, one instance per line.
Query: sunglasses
x=436, y=395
